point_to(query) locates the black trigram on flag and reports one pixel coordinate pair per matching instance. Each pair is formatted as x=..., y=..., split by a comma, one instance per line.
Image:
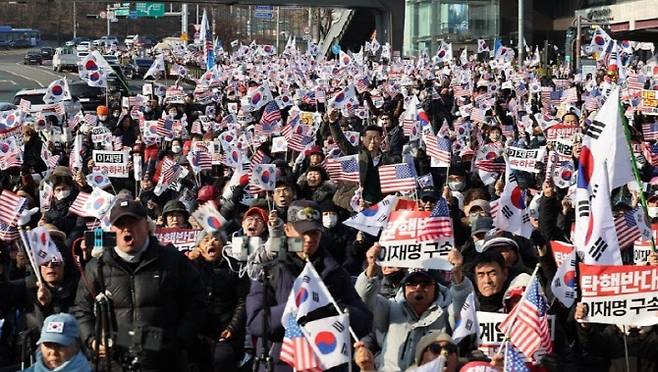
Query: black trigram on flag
x=512, y=177
x=583, y=208
x=315, y=296
x=598, y=248
x=526, y=218
x=339, y=326
x=595, y=129
x=306, y=279
x=507, y=212
x=595, y=189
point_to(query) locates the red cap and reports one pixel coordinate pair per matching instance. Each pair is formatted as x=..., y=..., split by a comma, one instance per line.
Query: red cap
x=259, y=212
x=102, y=110
x=207, y=193
x=313, y=150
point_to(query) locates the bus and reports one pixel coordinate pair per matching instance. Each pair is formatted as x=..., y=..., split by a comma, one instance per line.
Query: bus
x=19, y=37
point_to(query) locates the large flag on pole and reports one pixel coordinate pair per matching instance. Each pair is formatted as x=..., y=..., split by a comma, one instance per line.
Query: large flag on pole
x=207, y=41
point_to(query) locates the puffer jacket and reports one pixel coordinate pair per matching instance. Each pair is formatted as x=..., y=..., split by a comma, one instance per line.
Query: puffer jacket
x=398, y=329
x=284, y=272
x=226, y=294
x=318, y=194
x=163, y=289
x=58, y=214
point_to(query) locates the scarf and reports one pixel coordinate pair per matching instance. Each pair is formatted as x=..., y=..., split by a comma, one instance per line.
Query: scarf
x=76, y=364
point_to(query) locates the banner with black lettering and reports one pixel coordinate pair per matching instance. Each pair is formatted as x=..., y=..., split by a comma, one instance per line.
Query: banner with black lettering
x=111, y=163
x=491, y=337
x=526, y=159
x=183, y=239
x=623, y=294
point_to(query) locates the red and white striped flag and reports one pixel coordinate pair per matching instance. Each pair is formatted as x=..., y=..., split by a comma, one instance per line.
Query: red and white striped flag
x=438, y=225
x=10, y=206
x=345, y=168
x=11, y=160
x=527, y=324
x=628, y=229
x=78, y=206
x=439, y=148
x=24, y=105
x=397, y=177
x=296, y=350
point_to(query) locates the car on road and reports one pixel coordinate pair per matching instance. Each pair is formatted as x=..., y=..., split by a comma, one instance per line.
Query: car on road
x=76, y=41
x=111, y=59
x=35, y=96
x=106, y=41
x=137, y=68
x=130, y=40
x=47, y=53
x=88, y=97
x=32, y=57
x=6, y=44
x=84, y=46
x=65, y=59
x=6, y=106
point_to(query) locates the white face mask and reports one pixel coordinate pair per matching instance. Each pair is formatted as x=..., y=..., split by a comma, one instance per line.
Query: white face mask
x=173, y=113
x=478, y=245
x=456, y=186
x=175, y=149
x=61, y=195
x=329, y=220
x=653, y=212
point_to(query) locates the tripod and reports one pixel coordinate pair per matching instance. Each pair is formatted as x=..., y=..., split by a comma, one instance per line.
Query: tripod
x=104, y=329
x=264, y=357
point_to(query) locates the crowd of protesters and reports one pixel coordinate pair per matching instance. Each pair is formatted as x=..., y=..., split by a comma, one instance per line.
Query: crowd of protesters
x=143, y=304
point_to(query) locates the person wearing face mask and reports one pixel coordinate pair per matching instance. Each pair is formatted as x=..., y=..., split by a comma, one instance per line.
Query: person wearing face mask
x=64, y=193
x=343, y=238
x=303, y=233
x=652, y=208
x=103, y=112
x=152, y=110
x=173, y=112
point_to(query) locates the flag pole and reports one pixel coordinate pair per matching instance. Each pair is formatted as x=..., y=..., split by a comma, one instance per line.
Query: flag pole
x=517, y=308
x=333, y=302
x=29, y=253
x=636, y=172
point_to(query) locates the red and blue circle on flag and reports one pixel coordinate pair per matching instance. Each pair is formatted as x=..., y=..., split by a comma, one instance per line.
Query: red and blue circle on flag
x=57, y=90
x=301, y=296
x=326, y=342
x=214, y=222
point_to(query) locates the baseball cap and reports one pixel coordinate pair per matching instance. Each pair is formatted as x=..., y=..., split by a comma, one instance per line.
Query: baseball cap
x=499, y=242
x=481, y=203
x=62, y=329
x=414, y=274
x=429, y=192
x=126, y=207
x=174, y=206
x=481, y=224
x=304, y=215
x=256, y=211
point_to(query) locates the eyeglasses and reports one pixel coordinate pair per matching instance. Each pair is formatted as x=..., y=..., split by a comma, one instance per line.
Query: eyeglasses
x=52, y=264
x=436, y=348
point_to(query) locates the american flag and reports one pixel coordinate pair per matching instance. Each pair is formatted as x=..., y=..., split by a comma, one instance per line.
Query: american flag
x=556, y=97
x=75, y=120
x=10, y=206
x=11, y=160
x=397, y=177
x=259, y=158
x=55, y=108
x=295, y=349
x=650, y=131
x=650, y=152
x=514, y=360
x=590, y=103
x=570, y=95
x=8, y=233
x=487, y=165
x=461, y=91
x=362, y=83
x=91, y=119
x=271, y=116
x=53, y=161
x=438, y=224
x=527, y=325
x=24, y=105
x=165, y=127
x=169, y=171
x=409, y=127
x=79, y=203
x=438, y=147
x=628, y=230
x=320, y=95
x=546, y=96
x=200, y=160
x=561, y=83
x=635, y=82
x=345, y=168
x=478, y=115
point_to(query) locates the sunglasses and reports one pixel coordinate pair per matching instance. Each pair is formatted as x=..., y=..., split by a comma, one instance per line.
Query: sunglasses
x=52, y=264
x=436, y=348
x=422, y=283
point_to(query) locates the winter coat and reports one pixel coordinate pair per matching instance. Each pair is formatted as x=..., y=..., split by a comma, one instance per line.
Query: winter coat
x=284, y=272
x=318, y=194
x=368, y=173
x=607, y=342
x=32, y=154
x=163, y=289
x=397, y=327
x=58, y=214
x=226, y=294
x=78, y=363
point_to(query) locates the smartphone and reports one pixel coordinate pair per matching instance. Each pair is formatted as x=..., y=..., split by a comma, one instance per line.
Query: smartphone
x=103, y=239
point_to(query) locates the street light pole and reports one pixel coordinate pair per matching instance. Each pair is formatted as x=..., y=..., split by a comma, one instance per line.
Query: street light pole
x=578, y=46
x=520, y=41
x=75, y=23
x=107, y=18
x=278, y=27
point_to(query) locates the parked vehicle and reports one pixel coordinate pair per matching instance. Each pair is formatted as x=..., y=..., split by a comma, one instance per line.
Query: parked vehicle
x=65, y=59
x=130, y=40
x=35, y=96
x=32, y=58
x=84, y=46
x=137, y=68
x=47, y=53
x=106, y=41
x=76, y=41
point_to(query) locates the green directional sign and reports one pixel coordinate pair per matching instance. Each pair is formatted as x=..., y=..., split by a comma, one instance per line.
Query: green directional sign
x=150, y=9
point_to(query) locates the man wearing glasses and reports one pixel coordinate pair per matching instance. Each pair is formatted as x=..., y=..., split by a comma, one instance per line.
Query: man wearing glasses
x=400, y=323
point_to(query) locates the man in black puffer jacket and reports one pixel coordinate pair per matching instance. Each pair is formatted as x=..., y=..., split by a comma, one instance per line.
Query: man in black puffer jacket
x=149, y=286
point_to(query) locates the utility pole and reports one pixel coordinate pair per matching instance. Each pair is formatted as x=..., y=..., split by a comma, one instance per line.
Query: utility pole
x=183, y=21
x=107, y=18
x=520, y=41
x=75, y=23
x=578, y=46
x=197, y=15
x=278, y=27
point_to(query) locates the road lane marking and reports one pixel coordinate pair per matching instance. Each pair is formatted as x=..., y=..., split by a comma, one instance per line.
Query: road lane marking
x=8, y=81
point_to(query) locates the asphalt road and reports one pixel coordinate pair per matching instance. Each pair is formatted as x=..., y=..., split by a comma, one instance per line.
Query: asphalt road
x=14, y=75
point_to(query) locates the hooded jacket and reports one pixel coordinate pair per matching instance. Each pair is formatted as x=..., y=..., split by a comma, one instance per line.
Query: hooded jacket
x=283, y=272
x=398, y=328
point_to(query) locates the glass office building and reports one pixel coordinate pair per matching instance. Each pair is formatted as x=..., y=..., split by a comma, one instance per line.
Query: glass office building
x=460, y=22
